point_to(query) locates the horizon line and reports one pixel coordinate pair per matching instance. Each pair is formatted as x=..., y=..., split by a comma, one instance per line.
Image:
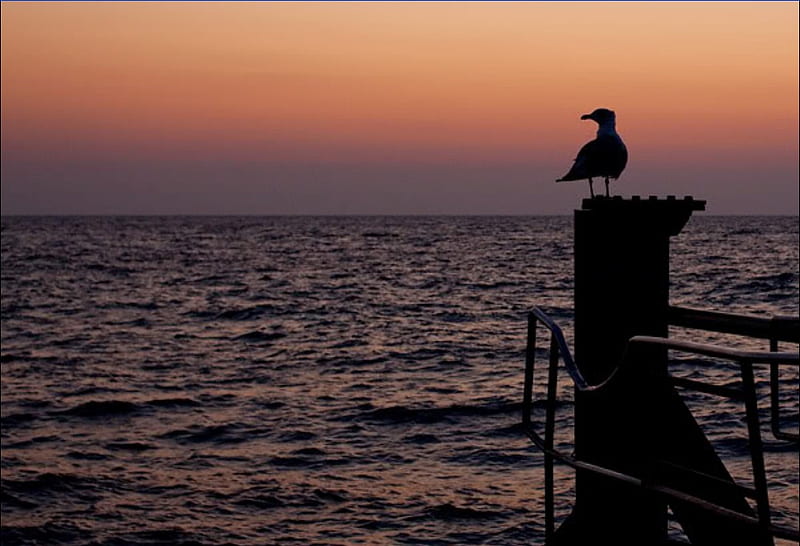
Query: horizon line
x=348, y=215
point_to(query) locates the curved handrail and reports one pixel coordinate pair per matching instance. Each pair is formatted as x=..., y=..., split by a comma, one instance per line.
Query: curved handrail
x=563, y=348
x=756, y=357
x=569, y=363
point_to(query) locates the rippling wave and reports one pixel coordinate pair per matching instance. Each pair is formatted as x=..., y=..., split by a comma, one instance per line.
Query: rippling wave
x=314, y=380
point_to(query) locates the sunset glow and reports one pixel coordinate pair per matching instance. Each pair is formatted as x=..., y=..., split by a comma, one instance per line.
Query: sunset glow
x=698, y=88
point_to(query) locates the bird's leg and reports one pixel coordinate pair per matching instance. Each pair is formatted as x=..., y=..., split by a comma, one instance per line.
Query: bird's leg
x=607, y=194
x=591, y=190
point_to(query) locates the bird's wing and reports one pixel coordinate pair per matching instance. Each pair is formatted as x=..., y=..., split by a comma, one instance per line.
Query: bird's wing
x=582, y=168
x=587, y=154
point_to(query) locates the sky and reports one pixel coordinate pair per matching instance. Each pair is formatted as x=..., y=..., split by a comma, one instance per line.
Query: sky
x=392, y=108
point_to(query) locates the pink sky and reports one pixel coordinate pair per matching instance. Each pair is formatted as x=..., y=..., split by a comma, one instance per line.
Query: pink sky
x=391, y=108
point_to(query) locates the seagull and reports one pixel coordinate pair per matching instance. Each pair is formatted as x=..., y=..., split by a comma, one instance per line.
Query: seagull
x=604, y=157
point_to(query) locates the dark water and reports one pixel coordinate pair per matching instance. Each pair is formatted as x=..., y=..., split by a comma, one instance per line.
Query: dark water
x=311, y=380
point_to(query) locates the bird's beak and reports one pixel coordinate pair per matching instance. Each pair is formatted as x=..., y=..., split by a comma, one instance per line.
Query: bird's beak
x=586, y=116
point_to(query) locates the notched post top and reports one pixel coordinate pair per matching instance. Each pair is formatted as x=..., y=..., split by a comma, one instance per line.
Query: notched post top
x=670, y=213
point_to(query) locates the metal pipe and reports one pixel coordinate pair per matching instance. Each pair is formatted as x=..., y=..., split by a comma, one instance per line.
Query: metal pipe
x=549, y=433
x=530, y=357
x=774, y=400
x=756, y=449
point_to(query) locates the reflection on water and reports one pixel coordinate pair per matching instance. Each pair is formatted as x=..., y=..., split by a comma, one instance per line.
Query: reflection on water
x=330, y=380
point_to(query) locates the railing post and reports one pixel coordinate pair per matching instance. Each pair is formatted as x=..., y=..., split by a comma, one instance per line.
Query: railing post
x=530, y=357
x=774, y=393
x=775, y=400
x=756, y=451
x=549, y=433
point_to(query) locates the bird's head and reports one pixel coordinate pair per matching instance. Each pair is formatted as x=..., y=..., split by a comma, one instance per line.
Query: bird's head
x=601, y=116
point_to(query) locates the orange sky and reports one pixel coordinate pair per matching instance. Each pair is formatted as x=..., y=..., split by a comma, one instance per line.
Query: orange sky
x=395, y=84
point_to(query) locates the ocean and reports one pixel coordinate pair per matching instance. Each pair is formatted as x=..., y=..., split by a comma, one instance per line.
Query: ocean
x=316, y=380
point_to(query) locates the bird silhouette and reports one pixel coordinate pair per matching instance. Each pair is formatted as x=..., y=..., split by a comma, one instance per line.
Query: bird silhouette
x=604, y=157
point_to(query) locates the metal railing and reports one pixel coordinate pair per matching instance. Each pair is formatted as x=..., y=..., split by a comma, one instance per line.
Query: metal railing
x=775, y=330
x=780, y=329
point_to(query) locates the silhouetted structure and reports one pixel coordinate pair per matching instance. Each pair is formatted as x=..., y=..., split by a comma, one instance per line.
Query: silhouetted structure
x=604, y=157
x=621, y=290
x=637, y=446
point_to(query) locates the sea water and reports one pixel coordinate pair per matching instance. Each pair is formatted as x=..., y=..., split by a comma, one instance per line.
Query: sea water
x=318, y=380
